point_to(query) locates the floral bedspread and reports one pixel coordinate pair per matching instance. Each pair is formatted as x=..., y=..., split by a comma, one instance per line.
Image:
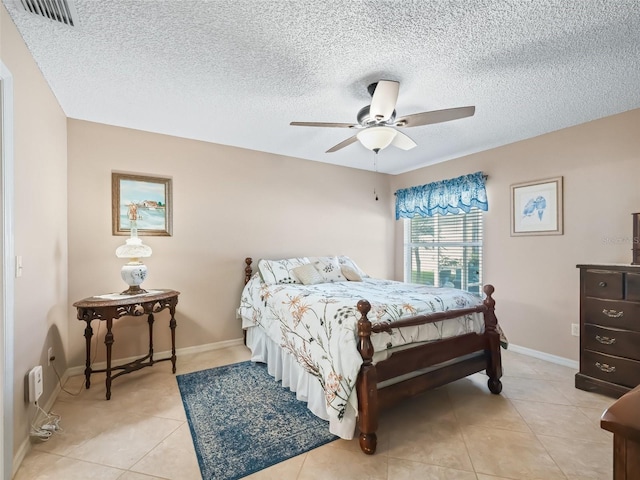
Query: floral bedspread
x=317, y=324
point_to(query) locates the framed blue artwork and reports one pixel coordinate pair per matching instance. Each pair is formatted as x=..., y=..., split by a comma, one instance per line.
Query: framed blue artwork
x=536, y=207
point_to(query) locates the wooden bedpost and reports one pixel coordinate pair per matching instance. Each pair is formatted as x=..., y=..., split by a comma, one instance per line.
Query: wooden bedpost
x=367, y=385
x=247, y=270
x=494, y=362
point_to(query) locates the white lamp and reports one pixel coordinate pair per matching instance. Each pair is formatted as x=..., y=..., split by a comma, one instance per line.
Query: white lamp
x=376, y=138
x=134, y=272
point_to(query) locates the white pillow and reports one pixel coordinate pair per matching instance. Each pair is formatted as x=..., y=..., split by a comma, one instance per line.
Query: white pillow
x=329, y=268
x=350, y=273
x=344, y=260
x=308, y=274
x=280, y=271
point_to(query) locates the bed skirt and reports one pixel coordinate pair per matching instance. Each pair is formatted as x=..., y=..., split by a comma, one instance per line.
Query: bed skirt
x=283, y=367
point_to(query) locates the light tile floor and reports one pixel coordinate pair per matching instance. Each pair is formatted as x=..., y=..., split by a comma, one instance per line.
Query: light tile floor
x=541, y=427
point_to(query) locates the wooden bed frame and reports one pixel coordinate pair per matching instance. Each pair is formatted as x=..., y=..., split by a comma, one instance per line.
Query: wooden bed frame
x=481, y=352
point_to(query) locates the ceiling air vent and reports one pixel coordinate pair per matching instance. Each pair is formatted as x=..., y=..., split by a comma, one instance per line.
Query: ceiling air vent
x=62, y=11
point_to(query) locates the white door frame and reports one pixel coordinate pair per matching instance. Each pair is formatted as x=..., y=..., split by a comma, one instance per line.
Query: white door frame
x=8, y=269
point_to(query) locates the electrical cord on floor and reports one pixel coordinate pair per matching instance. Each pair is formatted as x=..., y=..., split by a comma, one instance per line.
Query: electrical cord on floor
x=62, y=386
x=45, y=428
x=95, y=352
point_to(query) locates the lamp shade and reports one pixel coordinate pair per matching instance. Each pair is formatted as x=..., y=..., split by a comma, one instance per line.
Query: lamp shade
x=134, y=272
x=133, y=248
x=376, y=138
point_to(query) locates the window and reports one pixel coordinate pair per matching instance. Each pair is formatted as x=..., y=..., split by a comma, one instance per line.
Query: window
x=445, y=250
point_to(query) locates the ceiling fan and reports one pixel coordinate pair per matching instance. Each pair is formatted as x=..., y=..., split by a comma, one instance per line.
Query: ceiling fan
x=378, y=124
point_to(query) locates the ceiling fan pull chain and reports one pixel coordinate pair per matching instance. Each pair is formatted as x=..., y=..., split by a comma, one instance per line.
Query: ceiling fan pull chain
x=375, y=168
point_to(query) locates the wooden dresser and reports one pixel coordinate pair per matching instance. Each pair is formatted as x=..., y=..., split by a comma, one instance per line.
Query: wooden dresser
x=609, y=329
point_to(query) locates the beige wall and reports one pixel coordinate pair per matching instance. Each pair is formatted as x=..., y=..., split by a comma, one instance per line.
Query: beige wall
x=40, y=220
x=535, y=277
x=229, y=203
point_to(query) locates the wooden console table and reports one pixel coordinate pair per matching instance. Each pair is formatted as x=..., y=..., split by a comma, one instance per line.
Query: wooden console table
x=110, y=307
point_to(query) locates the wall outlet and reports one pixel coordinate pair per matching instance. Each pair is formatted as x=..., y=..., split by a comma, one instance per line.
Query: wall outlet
x=49, y=356
x=575, y=329
x=35, y=383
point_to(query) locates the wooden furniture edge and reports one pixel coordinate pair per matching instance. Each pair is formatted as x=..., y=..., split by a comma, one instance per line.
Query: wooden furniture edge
x=623, y=416
x=622, y=419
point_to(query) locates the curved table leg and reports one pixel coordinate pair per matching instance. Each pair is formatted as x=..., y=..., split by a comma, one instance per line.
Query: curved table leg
x=108, y=341
x=172, y=326
x=88, y=333
x=150, y=320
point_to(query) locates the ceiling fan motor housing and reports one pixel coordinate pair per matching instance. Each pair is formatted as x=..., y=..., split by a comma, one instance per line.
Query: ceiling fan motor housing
x=365, y=119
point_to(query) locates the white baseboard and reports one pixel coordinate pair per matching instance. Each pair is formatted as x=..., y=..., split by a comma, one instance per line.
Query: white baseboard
x=545, y=356
x=160, y=355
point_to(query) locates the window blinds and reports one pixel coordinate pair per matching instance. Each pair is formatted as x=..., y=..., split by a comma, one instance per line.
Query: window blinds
x=445, y=250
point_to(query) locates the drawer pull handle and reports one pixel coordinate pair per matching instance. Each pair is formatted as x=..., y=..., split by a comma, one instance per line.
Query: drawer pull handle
x=602, y=284
x=613, y=313
x=605, y=340
x=605, y=368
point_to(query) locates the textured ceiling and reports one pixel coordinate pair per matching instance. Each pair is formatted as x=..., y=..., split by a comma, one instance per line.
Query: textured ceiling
x=236, y=72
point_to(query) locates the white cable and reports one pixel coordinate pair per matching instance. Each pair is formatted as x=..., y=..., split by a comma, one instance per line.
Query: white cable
x=51, y=422
x=49, y=425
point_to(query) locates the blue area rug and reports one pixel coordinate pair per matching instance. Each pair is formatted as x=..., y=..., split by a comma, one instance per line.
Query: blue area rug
x=242, y=420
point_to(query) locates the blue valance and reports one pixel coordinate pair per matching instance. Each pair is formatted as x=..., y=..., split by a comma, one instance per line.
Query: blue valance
x=446, y=196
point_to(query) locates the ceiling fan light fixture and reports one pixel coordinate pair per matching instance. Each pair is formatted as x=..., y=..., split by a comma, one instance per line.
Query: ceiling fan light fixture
x=376, y=138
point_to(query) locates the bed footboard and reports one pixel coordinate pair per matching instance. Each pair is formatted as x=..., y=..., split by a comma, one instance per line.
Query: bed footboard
x=485, y=347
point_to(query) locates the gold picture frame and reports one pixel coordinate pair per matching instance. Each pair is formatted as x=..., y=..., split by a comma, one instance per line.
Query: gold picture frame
x=536, y=208
x=152, y=197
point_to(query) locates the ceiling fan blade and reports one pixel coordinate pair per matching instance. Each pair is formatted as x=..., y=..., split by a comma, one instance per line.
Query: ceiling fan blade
x=323, y=124
x=403, y=141
x=343, y=144
x=384, y=99
x=437, y=116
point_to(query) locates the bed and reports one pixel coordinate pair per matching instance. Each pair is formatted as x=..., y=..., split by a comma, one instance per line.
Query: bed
x=318, y=337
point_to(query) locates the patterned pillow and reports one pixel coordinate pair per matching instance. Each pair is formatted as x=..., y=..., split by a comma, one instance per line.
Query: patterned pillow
x=280, y=271
x=308, y=274
x=344, y=260
x=329, y=268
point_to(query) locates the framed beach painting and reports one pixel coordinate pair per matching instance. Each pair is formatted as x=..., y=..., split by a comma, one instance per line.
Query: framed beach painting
x=147, y=199
x=536, y=207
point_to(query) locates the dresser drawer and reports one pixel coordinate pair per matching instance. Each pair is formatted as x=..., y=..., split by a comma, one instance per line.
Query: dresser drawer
x=612, y=314
x=611, y=368
x=604, y=284
x=633, y=286
x=622, y=343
